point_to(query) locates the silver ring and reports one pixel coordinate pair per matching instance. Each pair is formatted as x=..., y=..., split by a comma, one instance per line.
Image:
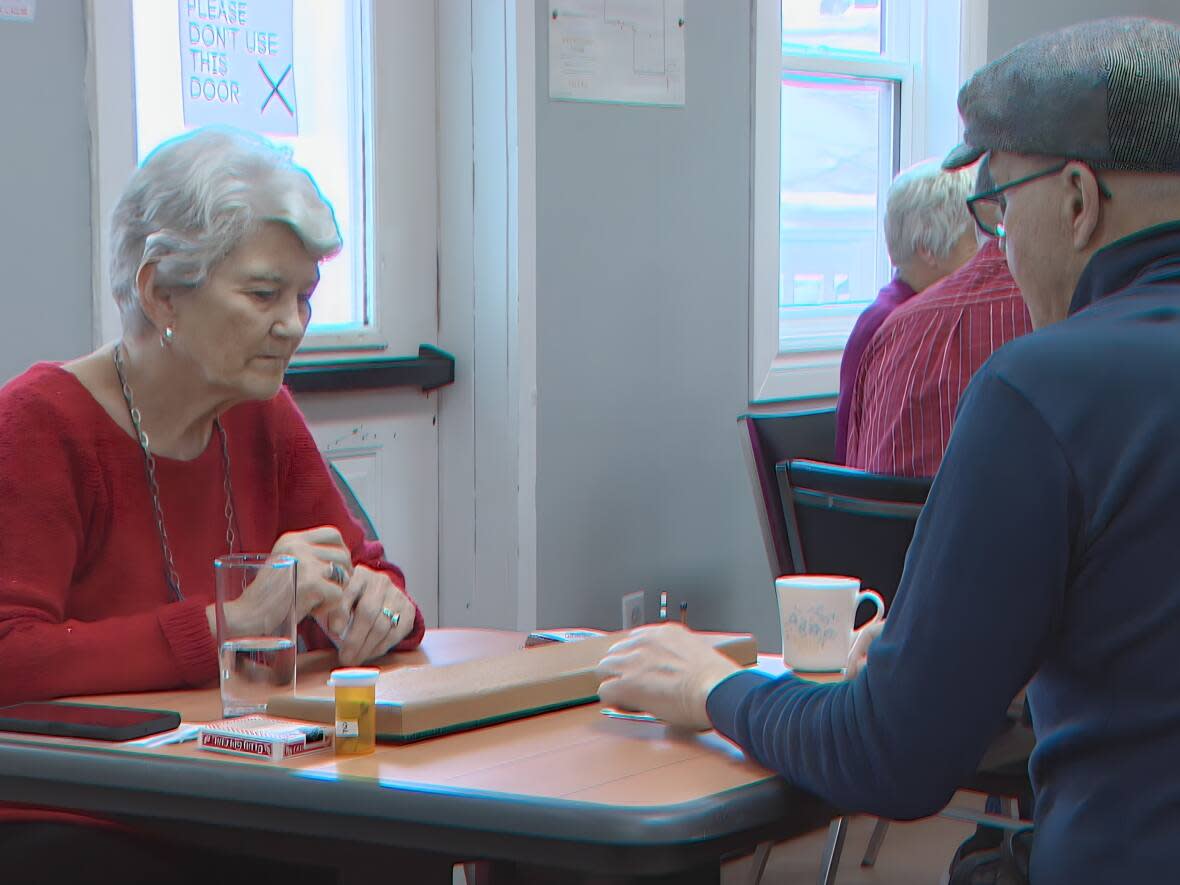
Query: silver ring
x=394, y=617
x=337, y=574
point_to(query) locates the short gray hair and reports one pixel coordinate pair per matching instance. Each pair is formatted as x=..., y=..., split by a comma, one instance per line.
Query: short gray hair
x=197, y=196
x=926, y=207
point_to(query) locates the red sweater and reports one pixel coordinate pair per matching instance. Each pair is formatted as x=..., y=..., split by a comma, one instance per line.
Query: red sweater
x=84, y=606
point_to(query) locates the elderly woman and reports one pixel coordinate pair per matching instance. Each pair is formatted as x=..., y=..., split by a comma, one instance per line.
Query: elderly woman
x=125, y=472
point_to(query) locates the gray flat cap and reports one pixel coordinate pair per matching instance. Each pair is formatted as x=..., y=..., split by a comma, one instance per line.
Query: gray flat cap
x=1106, y=92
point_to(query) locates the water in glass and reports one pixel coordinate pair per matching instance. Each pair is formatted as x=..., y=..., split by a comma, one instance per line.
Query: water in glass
x=253, y=668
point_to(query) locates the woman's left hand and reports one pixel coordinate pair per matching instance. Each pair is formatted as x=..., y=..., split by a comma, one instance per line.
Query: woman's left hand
x=381, y=617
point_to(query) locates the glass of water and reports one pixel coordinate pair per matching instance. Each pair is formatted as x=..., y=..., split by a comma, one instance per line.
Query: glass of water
x=255, y=629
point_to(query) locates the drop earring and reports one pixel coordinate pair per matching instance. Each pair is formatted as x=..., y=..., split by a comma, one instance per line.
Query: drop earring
x=167, y=336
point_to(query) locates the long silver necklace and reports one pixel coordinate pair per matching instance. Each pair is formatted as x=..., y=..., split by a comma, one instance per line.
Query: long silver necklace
x=170, y=574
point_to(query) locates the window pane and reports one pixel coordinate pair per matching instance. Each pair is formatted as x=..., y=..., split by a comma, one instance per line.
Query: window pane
x=838, y=136
x=841, y=25
x=327, y=67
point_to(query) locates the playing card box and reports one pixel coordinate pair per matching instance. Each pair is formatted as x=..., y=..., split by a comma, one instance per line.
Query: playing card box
x=264, y=737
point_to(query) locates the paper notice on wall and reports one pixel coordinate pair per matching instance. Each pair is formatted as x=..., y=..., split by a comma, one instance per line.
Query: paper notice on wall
x=12, y=11
x=627, y=51
x=237, y=65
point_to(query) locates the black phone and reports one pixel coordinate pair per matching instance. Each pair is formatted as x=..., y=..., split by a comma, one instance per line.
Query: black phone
x=66, y=719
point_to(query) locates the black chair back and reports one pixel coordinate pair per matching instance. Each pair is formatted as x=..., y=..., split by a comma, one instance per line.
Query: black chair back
x=767, y=440
x=844, y=521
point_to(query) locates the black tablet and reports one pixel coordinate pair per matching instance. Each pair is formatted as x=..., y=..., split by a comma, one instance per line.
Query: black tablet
x=65, y=719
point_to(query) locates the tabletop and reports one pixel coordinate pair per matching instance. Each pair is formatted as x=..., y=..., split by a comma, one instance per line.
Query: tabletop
x=556, y=788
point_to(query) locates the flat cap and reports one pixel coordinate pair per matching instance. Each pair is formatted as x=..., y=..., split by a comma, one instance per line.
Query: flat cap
x=1106, y=92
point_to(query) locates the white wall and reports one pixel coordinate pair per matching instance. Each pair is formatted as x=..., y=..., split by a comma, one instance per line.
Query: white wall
x=1012, y=21
x=44, y=189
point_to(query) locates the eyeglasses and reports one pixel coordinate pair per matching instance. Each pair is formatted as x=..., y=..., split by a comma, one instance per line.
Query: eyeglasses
x=987, y=208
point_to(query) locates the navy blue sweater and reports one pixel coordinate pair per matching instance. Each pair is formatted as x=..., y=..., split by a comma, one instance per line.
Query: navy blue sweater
x=1049, y=550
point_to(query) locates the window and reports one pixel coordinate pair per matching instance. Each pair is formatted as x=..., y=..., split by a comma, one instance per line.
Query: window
x=832, y=181
x=846, y=92
x=323, y=91
x=366, y=132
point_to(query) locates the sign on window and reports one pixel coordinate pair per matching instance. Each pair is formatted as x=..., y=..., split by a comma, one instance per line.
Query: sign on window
x=237, y=65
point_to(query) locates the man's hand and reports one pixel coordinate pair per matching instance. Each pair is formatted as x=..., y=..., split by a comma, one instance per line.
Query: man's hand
x=667, y=671
x=859, y=655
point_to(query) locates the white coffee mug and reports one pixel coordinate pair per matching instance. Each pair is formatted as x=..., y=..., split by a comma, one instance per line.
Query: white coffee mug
x=817, y=613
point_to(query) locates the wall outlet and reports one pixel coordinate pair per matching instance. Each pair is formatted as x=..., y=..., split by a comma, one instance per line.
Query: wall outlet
x=633, y=610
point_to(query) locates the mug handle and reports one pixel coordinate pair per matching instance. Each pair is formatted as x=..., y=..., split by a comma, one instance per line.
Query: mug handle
x=875, y=598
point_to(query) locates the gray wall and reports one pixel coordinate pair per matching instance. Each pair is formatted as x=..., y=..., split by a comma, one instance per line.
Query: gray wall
x=642, y=323
x=45, y=195
x=1011, y=21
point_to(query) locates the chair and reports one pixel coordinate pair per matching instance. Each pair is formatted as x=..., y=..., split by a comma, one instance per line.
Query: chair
x=845, y=521
x=355, y=507
x=767, y=440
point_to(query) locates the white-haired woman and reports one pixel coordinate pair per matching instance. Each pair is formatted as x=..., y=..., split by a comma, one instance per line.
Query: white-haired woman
x=125, y=472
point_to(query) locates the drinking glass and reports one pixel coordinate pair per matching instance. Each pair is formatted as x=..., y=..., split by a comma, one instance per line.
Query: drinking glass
x=255, y=629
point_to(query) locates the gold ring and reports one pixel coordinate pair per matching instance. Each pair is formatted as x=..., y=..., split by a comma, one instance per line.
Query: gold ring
x=393, y=616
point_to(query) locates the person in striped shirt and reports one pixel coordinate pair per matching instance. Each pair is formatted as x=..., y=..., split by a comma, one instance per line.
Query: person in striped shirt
x=903, y=402
x=929, y=234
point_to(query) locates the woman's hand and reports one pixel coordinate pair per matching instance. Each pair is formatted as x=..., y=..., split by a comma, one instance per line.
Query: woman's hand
x=325, y=568
x=377, y=616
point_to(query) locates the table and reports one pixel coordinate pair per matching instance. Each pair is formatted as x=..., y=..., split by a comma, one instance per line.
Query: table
x=567, y=796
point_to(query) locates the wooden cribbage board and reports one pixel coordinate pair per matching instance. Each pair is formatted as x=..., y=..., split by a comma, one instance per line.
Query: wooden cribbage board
x=414, y=703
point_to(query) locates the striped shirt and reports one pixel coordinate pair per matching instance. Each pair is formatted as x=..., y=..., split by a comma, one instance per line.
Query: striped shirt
x=919, y=362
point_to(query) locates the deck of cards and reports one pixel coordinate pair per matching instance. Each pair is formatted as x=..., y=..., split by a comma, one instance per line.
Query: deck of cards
x=264, y=737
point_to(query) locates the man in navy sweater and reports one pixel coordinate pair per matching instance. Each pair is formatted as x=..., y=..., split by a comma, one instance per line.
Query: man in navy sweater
x=1049, y=549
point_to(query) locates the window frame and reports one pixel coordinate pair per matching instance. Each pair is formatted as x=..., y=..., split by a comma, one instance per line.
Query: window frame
x=927, y=124
x=398, y=172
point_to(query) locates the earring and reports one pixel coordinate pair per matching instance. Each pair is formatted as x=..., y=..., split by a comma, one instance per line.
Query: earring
x=168, y=336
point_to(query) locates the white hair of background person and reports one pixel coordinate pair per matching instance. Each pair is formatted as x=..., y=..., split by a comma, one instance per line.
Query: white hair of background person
x=926, y=208
x=196, y=196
